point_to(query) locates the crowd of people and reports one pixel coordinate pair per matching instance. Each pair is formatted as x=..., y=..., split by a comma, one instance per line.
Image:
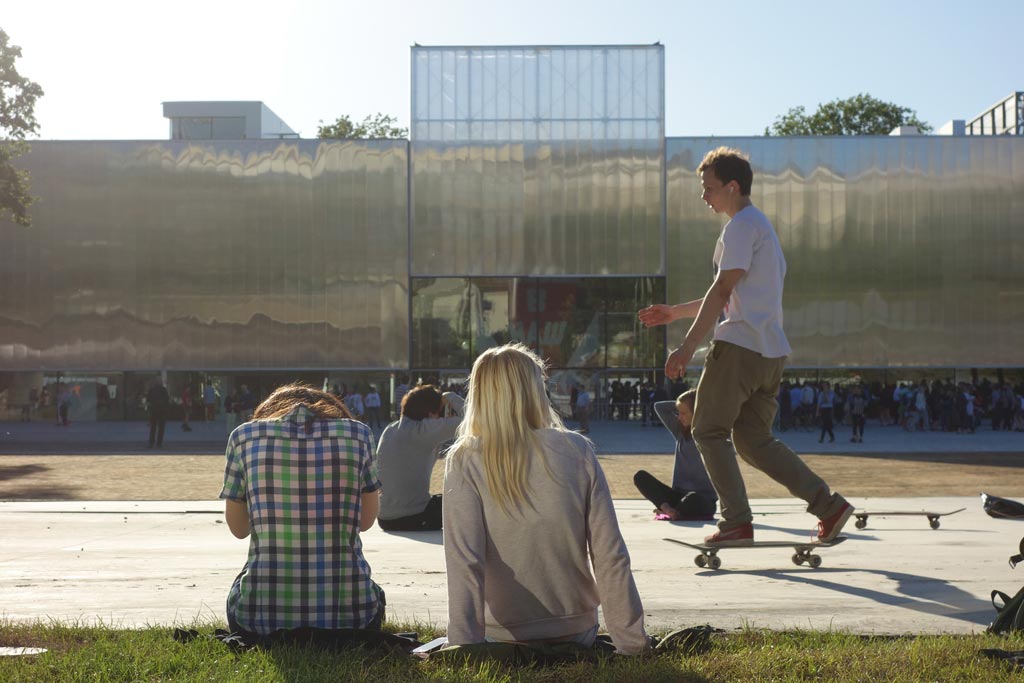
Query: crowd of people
x=938, y=406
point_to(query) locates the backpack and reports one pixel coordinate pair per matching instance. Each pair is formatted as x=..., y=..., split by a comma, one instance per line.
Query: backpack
x=1009, y=615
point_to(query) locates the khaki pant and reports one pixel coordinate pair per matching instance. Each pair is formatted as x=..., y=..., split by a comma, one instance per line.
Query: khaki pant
x=736, y=398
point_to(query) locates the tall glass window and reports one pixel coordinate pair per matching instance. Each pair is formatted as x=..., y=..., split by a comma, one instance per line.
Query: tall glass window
x=463, y=94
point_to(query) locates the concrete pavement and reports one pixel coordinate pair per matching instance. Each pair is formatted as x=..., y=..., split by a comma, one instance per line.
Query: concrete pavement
x=136, y=563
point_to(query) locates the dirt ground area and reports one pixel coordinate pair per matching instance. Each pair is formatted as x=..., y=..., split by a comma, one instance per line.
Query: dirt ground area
x=199, y=477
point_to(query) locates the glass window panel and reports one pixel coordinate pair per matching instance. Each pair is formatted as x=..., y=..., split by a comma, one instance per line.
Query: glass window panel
x=228, y=128
x=530, y=85
x=441, y=322
x=503, y=82
x=422, y=87
x=558, y=84
x=448, y=89
x=611, y=83
x=571, y=88
x=490, y=86
x=504, y=310
x=436, y=85
x=476, y=79
x=544, y=84
x=630, y=344
x=516, y=85
x=194, y=128
x=570, y=322
x=461, y=85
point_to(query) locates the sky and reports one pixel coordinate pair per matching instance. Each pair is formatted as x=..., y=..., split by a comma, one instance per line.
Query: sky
x=730, y=68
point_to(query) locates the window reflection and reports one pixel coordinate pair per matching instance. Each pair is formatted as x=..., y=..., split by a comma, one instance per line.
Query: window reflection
x=630, y=344
x=585, y=323
x=503, y=312
x=570, y=322
x=441, y=315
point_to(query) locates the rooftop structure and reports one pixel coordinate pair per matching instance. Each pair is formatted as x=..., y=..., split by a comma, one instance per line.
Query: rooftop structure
x=225, y=121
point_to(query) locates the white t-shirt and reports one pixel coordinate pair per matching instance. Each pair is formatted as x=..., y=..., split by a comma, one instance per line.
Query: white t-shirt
x=753, y=316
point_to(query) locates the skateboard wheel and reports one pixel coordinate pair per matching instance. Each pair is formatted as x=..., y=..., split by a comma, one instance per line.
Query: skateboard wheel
x=934, y=523
x=798, y=559
x=700, y=561
x=714, y=562
x=861, y=523
x=814, y=561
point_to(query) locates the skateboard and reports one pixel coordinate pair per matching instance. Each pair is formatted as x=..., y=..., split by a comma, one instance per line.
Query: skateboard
x=933, y=517
x=804, y=551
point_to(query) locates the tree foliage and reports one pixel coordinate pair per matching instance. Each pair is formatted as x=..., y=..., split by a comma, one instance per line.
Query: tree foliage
x=858, y=115
x=17, y=119
x=373, y=126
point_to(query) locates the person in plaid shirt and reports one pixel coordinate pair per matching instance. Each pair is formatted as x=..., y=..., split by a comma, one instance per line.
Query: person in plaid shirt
x=301, y=483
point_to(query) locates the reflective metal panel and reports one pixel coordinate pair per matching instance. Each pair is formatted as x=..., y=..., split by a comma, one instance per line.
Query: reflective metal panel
x=583, y=207
x=901, y=251
x=247, y=254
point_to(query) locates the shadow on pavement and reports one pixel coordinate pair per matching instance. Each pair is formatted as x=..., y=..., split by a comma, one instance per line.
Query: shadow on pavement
x=920, y=593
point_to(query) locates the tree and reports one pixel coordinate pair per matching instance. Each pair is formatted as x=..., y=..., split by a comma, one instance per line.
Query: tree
x=17, y=119
x=858, y=115
x=373, y=126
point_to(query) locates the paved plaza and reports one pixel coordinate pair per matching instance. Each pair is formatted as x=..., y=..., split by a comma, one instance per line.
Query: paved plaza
x=139, y=563
x=131, y=563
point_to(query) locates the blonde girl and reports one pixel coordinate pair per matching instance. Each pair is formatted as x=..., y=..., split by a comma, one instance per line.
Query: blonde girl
x=527, y=510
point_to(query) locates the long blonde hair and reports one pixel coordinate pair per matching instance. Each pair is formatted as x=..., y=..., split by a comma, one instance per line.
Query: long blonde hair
x=505, y=407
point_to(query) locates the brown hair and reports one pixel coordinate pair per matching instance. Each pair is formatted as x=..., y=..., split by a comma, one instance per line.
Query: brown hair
x=728, y=164
x=284, y=399
x=689, y=397
x=421, y=401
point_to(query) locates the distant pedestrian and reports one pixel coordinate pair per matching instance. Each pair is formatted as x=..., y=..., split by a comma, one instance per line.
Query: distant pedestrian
x=158, y=401
x=400, y=391
x=826, y=410
x=858, y=405
x=63, y=405
x=186, y=407
x=372, y=403
x=354, y=403
x=209, y=401
x=583, y=402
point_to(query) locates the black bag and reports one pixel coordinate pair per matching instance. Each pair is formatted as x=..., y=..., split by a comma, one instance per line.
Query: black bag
x=1002, y=508
x=1010, y=615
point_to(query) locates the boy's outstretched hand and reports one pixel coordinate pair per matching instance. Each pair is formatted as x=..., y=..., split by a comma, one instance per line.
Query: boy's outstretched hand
x=658, y=314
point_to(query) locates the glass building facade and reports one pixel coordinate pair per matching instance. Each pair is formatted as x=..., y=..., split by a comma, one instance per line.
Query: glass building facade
x=538, y=200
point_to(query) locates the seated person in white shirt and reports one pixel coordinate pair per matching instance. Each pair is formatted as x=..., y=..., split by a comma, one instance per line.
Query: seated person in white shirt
x=406, y=455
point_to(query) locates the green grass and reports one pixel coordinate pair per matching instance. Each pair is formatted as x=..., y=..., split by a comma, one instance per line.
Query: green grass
x=99, y=654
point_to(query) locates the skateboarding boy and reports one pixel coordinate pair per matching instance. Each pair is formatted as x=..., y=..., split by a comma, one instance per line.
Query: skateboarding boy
x=691, y=496
x=743, y=367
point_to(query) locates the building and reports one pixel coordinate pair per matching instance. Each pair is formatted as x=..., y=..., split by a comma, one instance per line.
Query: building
x=537, y=199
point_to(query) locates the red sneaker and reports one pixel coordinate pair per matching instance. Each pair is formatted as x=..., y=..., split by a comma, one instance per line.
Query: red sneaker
x=830, y=527
x=741, y=535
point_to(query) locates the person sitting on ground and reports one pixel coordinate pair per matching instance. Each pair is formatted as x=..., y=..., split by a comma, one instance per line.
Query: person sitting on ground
x=691, y=496
x=527, y=513
x=406, y=455
x=301, y=484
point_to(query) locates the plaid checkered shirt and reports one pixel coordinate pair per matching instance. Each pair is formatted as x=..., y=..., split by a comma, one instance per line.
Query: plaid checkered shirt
x=302, y=479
